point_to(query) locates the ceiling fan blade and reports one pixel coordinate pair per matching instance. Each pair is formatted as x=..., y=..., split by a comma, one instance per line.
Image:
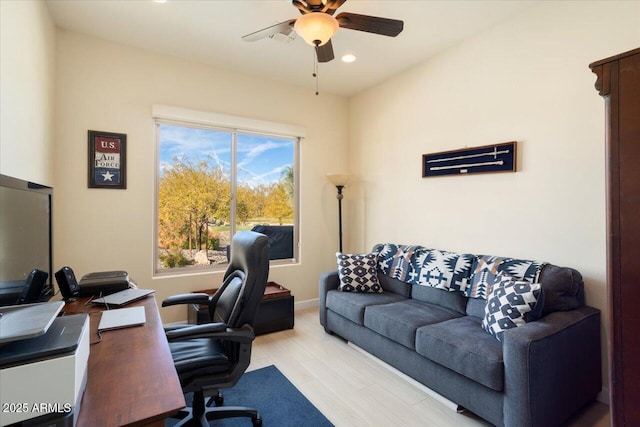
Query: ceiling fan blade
x=332, y=5
x=284, y=27
x=303, y=7
x=325, y=52
x=370, y=24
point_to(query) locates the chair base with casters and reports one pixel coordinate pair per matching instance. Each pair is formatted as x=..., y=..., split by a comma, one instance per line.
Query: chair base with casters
x=213, y=367
x=200, y=414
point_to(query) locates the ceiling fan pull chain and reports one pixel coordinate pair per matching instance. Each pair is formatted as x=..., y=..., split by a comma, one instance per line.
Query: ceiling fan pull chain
x=315, y=69
x=316, y=75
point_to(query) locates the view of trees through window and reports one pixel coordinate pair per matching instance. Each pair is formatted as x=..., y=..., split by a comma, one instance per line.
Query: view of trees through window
x=212, y=183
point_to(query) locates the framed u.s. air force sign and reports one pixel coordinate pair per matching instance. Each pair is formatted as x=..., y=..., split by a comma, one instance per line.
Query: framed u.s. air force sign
x=107, y=160
x=489, y=158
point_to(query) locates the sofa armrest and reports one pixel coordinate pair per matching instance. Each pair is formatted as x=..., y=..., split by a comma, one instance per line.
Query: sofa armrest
x=552, y=367
x=328, y=281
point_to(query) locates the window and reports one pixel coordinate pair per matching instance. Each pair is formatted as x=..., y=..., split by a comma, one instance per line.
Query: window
x=213, y=181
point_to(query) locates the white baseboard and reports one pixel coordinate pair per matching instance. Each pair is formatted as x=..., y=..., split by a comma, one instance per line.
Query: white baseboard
x=446, y=402
x=182, y=322
x=300, y=305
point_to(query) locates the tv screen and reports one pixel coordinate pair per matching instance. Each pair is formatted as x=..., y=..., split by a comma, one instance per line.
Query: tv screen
x=25, y=235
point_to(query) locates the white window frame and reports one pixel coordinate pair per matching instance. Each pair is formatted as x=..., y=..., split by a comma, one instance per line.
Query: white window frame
x=225, y=123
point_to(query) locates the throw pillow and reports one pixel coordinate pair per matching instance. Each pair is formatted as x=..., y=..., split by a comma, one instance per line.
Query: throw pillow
x=486, y=269
x=357, y=272
x=510, y=303
x=440, y=269
x=395, y=260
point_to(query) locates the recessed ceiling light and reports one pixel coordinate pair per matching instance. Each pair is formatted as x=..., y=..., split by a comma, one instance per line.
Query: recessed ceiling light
x=159, y=1
x=348, y=57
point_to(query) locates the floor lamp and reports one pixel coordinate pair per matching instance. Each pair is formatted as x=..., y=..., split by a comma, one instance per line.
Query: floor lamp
x=340, y=181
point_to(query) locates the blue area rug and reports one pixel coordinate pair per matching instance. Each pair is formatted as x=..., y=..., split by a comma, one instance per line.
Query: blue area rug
x=278, y=402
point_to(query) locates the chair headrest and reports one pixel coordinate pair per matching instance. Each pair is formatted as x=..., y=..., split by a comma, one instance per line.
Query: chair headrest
x=249, y=262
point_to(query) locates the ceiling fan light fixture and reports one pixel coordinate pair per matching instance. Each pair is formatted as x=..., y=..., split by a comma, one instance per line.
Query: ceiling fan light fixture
x=316, y=28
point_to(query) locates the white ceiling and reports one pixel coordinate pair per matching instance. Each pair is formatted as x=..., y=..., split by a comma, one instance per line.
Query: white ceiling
x=210, y=31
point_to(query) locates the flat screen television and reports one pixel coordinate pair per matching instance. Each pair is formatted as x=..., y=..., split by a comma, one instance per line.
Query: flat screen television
x=25, y=236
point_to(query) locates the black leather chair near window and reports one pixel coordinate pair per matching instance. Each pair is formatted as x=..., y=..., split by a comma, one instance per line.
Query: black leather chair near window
x=215, y=355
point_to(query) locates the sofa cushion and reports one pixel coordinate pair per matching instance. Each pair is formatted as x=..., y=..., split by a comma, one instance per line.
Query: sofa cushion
x=475, y=307
x=358, y=272
x=398, y=321
x=390, y=284
x=451, y=300
x=462, y=346
x=441, y=269
x=510, y=302
x=352, y=304
x=487, y=267
x=563, y=288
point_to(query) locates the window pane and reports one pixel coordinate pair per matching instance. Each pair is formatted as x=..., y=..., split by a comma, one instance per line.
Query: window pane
x=194, y=195
x=265, y=190
x=199, y=171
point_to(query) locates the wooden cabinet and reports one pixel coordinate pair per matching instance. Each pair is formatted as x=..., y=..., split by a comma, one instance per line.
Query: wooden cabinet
x=619, y=83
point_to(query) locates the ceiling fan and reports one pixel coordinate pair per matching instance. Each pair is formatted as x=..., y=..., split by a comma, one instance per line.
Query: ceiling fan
x=317, y=25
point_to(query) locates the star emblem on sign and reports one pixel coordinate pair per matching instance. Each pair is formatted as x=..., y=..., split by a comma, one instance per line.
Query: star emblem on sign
x=107, y=176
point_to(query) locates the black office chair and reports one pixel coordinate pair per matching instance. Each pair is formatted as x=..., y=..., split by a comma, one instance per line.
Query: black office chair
x=214, y=355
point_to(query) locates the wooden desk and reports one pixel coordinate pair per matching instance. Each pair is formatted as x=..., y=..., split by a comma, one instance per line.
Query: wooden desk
x=131, y=379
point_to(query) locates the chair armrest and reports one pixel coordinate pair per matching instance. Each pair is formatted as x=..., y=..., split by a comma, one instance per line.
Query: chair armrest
x=552, y=367
x=328, y=281
x=194, y=298
x=243, y=334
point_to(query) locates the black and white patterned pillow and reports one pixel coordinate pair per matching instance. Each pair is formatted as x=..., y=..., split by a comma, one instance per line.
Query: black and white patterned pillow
x=510, y=304
x=357, y=272
x=441, y=269
x=395, y=260
x=486, y=269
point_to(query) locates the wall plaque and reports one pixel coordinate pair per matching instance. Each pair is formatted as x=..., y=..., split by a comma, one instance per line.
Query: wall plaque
x=107, y=160
x=488, y=158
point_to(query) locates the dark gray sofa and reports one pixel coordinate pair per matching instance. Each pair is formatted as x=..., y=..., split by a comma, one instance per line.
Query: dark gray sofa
x=539, y=374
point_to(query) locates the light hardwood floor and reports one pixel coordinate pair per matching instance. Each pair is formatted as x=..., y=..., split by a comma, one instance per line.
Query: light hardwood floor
x=351, y=389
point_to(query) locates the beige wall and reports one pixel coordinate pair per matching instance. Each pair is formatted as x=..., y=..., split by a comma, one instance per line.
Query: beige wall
x=27, y=46
x=526, y=80
x=109, y=87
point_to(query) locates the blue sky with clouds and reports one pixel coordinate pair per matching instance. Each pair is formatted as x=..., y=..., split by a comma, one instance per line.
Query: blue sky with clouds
x=261, y=159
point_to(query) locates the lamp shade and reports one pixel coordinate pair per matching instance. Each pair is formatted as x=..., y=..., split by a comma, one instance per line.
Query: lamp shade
x=316, y=28
x=339, y=179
